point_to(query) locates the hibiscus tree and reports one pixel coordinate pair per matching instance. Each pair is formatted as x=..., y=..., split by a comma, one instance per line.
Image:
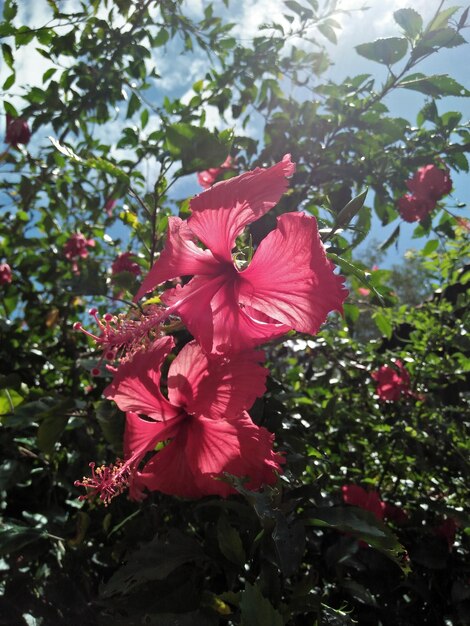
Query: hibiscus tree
x=203, y=425
x=289, y=283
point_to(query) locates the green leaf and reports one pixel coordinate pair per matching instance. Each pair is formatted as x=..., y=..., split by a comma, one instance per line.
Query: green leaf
x=111, y=423
x=9, y=81
x=9, y=399
x=196, y=147
x=410, y=20
x=328, y=32
x=50, y=430
x=438, y=85
x=133, y=106
x=229, y=541
x=48, y=74
x=386, y=51
x=9, y=108
x=442, y=19
x=10, y=9
x=153, y=561
x=97, y=163
x=289, y=539
x=383, y=324
x=364, y=526
x=350, y=268
x=24, y=35
x=351, y=312
x=161, y=38
x=442, y=38
x=14, y=537
x=144, y=118
x=390, y=240
x=350, y=210
x=256, y=609
x=296, y=7
x=8, y=55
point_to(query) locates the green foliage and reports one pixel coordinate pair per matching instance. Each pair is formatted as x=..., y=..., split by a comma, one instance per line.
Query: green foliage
x=294, y=553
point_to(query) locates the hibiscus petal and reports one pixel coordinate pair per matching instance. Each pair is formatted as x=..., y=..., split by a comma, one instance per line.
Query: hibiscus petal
x=136, y=383
x=180, y=257
x=216, y=386
x=195, y=306
x=185, y=375
x=221, y=213
x=204, y=449
x=211, y=311
x=290, y=278
x=141, y=436
x=231, y=386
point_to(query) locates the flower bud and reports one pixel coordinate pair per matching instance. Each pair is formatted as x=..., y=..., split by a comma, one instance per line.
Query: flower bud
x=17, y=131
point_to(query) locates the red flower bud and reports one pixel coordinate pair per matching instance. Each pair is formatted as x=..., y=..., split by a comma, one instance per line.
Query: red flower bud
x=17, y=131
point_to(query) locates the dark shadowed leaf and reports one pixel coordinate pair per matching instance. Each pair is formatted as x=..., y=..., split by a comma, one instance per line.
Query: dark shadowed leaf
x=364, y=526
x=153, y=561
x=256, y=609
x=14, y=537
x=230, y=543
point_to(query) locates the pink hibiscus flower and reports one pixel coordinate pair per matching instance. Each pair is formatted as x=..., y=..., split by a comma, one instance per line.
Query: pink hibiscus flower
x=109, y=206
x=392, y=382
x=124, y=263
x=428, y=185
x=203, y=422
x=75, y=248
x=289, y=283
x=208, y=177
x=5, y=274
x=415, y=208
x=430, y=181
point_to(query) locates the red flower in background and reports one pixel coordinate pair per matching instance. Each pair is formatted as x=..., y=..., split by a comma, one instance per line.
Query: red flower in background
x=447, y=531
x=208, y=177
x=17, y=131
x=124, y=263
x=204, y=419
x=414, y=209
x=392, y=382
x=289, y=283
x=394, y=513
x=431, y=182
x=109, y=206
x=367, y=500
x=76, y=247
x=428, y=185
x=5, y=274
x=371, y=501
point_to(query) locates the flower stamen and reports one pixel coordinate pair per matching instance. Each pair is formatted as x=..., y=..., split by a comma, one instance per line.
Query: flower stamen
x=106, y=481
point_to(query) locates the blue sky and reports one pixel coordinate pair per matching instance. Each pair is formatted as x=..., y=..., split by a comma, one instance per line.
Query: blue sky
x=179, y=72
